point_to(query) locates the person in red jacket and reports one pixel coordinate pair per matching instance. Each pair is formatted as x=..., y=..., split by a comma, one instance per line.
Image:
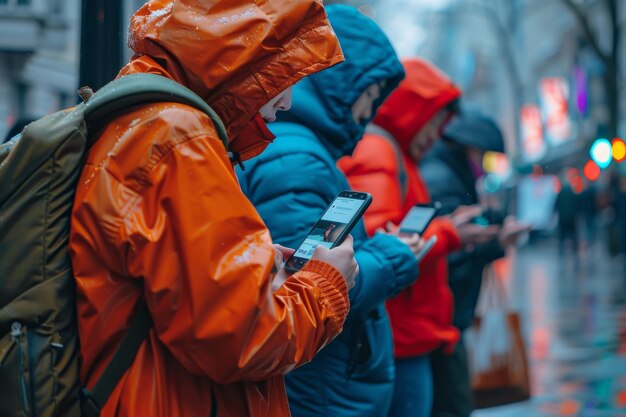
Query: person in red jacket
x=384, y=164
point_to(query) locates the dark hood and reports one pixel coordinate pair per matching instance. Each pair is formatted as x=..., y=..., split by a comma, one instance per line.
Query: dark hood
x=472, y=128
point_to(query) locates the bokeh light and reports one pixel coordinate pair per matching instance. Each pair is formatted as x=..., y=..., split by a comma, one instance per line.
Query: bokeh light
x=619, y=149
x=591, y=171
x=578, y=185
x=492, y=183
x=602, y=152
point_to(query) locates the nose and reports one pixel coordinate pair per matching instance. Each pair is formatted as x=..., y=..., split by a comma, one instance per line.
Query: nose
x=284, y=105
x=367, y=112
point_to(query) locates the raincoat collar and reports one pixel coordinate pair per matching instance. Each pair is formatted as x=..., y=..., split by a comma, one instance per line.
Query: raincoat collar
x=251, y=140
x=323, y=101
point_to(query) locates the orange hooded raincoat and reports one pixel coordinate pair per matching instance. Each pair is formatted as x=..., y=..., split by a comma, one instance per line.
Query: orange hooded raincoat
x=421, y=315
x=159, y=215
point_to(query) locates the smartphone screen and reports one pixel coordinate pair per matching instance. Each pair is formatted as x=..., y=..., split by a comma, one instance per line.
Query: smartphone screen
x=332, y=228
x=417, y=219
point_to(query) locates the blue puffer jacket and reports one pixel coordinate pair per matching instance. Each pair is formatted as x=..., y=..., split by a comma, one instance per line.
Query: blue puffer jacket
x=293, y=182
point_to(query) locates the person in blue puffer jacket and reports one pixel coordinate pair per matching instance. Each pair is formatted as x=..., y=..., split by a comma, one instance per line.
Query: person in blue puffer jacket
x=293, y=182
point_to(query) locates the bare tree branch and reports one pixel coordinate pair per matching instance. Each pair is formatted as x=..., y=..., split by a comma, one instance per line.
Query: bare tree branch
x=586, y=25
x=617, y=30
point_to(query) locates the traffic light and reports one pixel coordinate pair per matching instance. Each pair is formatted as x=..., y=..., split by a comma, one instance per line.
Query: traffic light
x=602, y=152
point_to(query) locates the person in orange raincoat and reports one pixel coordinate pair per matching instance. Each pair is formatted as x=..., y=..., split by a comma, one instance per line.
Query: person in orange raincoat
x=159, y=219
x=384, y=164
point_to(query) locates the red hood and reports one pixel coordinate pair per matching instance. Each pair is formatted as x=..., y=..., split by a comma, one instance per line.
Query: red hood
x=424, y=91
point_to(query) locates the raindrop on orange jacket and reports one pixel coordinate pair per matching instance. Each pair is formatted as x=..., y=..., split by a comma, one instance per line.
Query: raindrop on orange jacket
x=158, y=214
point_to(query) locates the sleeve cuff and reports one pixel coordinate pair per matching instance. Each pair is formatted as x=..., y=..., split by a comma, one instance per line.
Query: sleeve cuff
x=333, y=289
x=405, y=268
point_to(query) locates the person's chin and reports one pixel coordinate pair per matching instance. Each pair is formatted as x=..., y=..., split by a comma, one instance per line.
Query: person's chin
x=270, y=119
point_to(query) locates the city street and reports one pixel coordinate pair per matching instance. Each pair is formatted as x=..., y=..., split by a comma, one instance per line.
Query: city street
x=575, y=321
x=158, y=158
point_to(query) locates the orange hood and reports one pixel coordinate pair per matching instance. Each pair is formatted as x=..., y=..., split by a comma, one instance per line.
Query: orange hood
x=424, y=91
x=236, y=54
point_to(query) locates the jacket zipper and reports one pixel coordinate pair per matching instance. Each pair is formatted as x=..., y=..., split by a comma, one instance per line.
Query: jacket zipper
x=16, y=334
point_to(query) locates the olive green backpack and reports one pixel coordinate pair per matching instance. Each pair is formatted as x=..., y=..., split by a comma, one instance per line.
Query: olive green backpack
x=39, y=170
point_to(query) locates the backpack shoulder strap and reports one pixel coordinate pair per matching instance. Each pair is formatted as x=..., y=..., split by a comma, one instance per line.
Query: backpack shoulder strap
x=94, y=400
x=135, y=89
x=402, y=175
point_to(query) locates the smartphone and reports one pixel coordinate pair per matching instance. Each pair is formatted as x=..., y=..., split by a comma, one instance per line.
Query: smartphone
x=427, y=247
x=418, y=219
x=332, y=228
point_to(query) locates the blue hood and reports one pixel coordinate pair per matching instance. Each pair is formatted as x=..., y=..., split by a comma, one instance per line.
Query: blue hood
x=323, y=101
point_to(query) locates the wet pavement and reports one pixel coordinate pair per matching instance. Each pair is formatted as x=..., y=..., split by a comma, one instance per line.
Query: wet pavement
x=574, y=315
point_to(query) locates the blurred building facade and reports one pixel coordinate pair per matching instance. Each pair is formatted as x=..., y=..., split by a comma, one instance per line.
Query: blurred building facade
x=508, y=55
x=40, y=56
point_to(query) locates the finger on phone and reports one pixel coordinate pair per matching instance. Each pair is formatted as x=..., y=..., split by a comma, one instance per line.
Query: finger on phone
x=469, y=214
x=392, y=228
x=287, y=252
x=413, y=239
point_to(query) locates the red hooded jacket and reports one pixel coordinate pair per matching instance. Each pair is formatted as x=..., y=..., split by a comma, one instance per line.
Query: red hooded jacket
x=421, y=315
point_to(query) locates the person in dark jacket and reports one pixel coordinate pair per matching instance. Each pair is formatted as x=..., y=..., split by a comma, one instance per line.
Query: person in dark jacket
x=451, y=170
x=568, y=207
x=292, y=184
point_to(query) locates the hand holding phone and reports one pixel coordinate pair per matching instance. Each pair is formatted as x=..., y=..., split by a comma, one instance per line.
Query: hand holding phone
x=280, y=254
x=332, y=228
x=342, y=258
x=430, y=243
x=511, y=231
x=413, y=241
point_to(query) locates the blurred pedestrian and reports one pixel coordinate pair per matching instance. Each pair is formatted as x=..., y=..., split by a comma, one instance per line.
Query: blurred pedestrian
x=158, y=216
x=298, y=178
x=451, y=170
x=589, y=213
x=384, y=164
x=567, y=208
